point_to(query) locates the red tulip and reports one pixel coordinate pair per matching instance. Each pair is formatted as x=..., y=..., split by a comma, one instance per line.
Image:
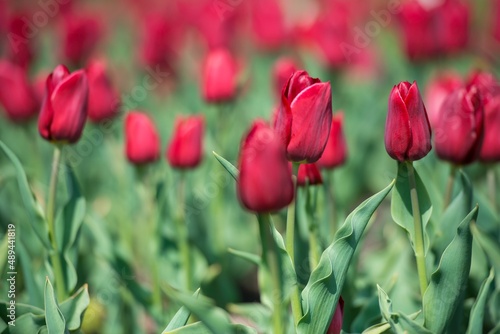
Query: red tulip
x=437, y=91
x=157, y=42
x=20, y=39
x=64, y=108
x=219, y=76
x=305, y=117
x=308, y=174
x=335, y=153
x=80, y=35
x=142, y=140
x=459, y=131
x=283, y=69
x=336, y=324
x=486, y=83
x=490, y=148
x=186, y=146
x=103, y=98
x=268, y=24
x=407, y=129
x=16, y=93
x=265, y=180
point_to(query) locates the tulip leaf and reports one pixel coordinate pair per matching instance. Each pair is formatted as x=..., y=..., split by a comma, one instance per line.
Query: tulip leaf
x=322, y=292
x=33, y=208
x=200, y=328
x=401, y=208
x=74, y=307
x=489, y=246
x=227, y=165
x=448, y=283
x=250, y=257
x=384, y=326
x=54, y=318
x=477, y=312
x=181, y=317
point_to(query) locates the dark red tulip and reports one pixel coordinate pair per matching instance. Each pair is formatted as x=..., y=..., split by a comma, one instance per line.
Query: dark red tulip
x=20, y=38
x=64, y=109
x=490, y=148
x=282, y=71
x=219, y=76
x=265, y=180
x=80, y=35
x=305, y=117
x=186, y=146
x=103, y=97
x=437, y=91
x=336, y=324
x=308, y=174
x=17, y=96
x=141, y=138
x=486, y=83
x=335, y=153
x=459, y=131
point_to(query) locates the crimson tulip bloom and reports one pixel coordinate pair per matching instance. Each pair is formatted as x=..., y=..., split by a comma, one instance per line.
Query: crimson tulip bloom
x=20, y=48
x=141, y=138
x=335, y=153
x=283, y=69
x=407, y=129
x=80, y=35
x=265, y=179
x=459, y=132
x=268, y=24
x=64, y=108
x=103, y=98
x=308, y=174
x=437, y=91
x=486, y=83
x=186, y=146
x=490, y=148
x=219, y=76
x=305, y=117
x=17, y=95
x=337, y=320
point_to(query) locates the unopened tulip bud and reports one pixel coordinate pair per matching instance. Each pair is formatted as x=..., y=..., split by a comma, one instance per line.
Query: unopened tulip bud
x=141, y=137
x=337, y=320
x=102, y=95
x=335, y=153
x=186, y=146
x=308, y=174
x=219, y=76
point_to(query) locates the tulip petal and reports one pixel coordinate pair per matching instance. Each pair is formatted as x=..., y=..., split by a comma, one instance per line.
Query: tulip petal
x=46, y=114
x=420, y=128
x=397, y=127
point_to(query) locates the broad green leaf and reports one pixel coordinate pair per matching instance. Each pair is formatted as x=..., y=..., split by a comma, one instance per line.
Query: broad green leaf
x=33, y=209
x=53, y=316
x=227, y=165
x=68, y=222
x=448, y=283
x=454, y=214
x=477, y=312
x=180, y=318
x=255, y=312
x=200, y=328
x=322, y=292
x=250, y=257
x=74, y=308
x=401, y=208
x=27, y=323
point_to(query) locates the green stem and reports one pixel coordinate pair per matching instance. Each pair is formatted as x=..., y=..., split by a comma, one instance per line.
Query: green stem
x=270, y=261
x=183, y=236
x=290, y=238
x=419, y=230
x=449, y=187
x=50, y=212
x=331, y=204
x=314, y=245
x=491, y=179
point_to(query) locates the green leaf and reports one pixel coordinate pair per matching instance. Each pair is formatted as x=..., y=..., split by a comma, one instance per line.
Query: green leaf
x=477, y=312
x=181, y=317
x=250, y=257
x=27, y=323
x=68, y=222
x=448, y=283
x=322, y=292
x=227, y=165
x=200, y=328
x=401, y=209
x=53, y=315
x=74, y=308
x=33, y=208
x=490, y=246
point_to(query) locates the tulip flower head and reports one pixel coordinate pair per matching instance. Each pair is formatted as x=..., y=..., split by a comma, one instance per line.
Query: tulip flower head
x=64, y=109
x=305, y=116
x=265, y=179
x=186, y=146
x=283, y=69
x=437, y=91
x=308, y=174
x=219, y=76
x=490, y=148
x=407, y=129
x=459, y=132
x=335, y=153
x=141, y=138
x=103, y=97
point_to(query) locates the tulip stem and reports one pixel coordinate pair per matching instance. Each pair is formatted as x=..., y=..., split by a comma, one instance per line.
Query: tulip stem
x=314, y=245
x=50, y=215
x=419, y=231
x=328, y=185
x=449, y=187
x=492, y=185
x=183, y=235
x=290, y=238
x=270, y=261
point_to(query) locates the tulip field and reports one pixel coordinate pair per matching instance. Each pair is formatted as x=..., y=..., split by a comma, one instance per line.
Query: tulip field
x=250, y=166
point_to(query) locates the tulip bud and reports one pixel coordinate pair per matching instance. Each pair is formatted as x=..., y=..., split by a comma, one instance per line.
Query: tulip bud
x=103, y=98
x=459, y=131
x=265, y=180
x=487, y=85
x=308, y=174
x=437, y=91
x=336, y=324
x=490, y=148
x=335, y=153
x=407, y=129
x=283, y=69
x=80, y=35
x=16, y=93
x=141, y=139
x=186, y=146
x=20, y=35
x=64, y=108
x=219, y=76
x=305, y=117
x=268, y=24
